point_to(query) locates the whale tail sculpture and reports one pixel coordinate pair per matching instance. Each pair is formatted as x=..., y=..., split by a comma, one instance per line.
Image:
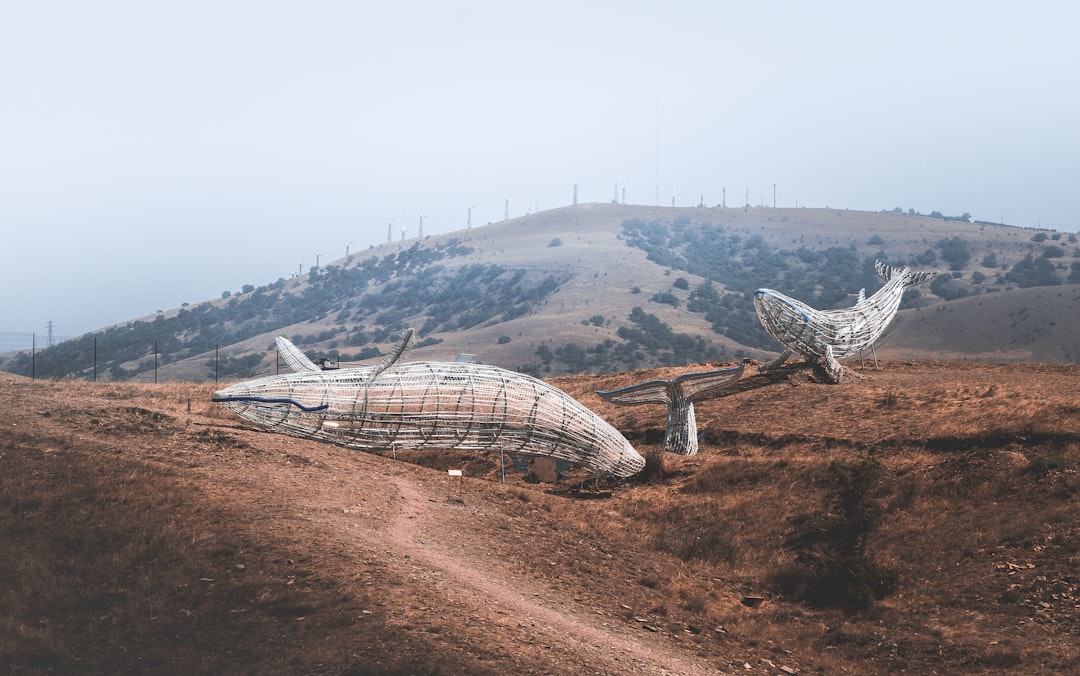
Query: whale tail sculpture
x=823, y=336
x=908, y=276
x=679, y=394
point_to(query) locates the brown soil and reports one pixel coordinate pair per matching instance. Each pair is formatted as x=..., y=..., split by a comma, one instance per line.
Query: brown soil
x=146, y=530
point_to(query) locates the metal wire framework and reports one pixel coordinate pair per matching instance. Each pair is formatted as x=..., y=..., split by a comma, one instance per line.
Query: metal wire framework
x=430, y=405
x=823, y=336
x=679, y=395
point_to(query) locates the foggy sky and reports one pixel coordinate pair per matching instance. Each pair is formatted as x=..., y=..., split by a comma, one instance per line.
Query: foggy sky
x=159, y=153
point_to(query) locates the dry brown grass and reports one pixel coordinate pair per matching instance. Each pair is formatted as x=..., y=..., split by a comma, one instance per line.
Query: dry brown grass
x=139, y=536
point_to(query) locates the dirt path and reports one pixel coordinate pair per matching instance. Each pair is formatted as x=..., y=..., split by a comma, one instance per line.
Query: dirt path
x=426, y=529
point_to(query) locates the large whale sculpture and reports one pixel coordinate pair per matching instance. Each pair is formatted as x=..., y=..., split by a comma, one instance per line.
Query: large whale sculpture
x=430, y=405
x=823, y=336
x=679, y=394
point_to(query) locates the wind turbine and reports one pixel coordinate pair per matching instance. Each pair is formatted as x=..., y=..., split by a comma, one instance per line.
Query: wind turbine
x=420, y=232
x=317, y=257
x=389, y=232
x=300, y=268
x=402, y=232
x=347, y=244
x=468, y=220
x=506, y=209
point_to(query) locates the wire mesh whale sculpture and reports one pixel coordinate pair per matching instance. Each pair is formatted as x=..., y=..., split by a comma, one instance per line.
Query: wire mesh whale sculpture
x=430, y=405
x=823, y=336
x=679, y=394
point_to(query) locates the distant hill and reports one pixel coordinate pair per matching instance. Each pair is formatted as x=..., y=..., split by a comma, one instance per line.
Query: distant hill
x=609, y=287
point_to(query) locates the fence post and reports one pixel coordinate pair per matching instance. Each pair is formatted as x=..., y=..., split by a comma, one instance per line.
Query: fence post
x=33, y=357
x=215, y=365
x=155, y=362
x=95, y=359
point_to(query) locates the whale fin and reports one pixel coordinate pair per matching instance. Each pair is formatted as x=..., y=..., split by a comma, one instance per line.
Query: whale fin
x=399, y=351
x=775, y=363
x=833, y=371
x=292, y=355
x=911, y=278
x=690, y=386
x=706, y=383
x=649, y=392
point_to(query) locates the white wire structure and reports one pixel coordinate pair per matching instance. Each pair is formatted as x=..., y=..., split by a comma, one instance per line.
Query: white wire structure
x=679, y=395
x=430, y=405
x=823, y=336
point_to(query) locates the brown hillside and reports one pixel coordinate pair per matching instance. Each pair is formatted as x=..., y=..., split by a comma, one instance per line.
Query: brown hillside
x=1040, y=324
x=145, y=530
x=600, y=275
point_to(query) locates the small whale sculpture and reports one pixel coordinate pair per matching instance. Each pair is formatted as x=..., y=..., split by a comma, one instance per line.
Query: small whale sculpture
x=430, y=405
x=823, y=336
x=679, y=394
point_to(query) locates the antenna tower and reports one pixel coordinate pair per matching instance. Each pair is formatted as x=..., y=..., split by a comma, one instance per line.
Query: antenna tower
x=49, y=337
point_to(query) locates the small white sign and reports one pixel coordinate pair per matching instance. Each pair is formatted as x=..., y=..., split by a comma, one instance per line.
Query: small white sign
x=454, y=472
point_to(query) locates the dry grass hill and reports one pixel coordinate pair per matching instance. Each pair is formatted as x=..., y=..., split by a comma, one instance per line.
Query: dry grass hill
x=555, y=291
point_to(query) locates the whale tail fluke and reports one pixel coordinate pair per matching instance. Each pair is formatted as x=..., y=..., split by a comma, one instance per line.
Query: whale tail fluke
x=911, y=278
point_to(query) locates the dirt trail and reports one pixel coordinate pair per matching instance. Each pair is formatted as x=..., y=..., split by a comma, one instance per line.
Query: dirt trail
x=426, y=527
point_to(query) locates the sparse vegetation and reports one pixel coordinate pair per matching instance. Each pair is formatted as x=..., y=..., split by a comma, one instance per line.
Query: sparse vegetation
x=142, y=516
x=444, y=287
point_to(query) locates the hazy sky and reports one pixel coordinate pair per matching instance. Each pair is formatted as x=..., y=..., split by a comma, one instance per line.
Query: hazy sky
x=155, y=153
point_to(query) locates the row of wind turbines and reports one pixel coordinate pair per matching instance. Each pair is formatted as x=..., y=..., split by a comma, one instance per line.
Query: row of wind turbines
x=506, y=215
x=619, y=197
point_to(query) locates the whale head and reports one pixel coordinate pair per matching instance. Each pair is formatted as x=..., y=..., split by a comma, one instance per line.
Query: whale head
x=273, y=400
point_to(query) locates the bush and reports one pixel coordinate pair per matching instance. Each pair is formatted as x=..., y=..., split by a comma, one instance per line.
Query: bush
x=955, y=252
x=1032, y=272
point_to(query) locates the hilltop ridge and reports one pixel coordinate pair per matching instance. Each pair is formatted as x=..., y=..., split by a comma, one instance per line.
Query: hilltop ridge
x=610, y=287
